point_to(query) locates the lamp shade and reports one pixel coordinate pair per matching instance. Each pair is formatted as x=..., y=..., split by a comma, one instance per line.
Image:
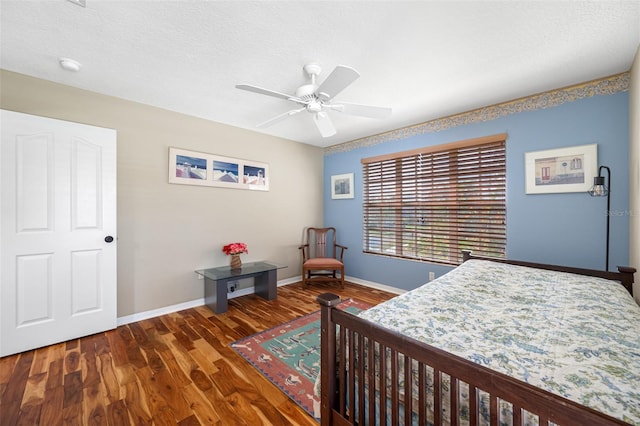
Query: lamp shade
x=599, y=189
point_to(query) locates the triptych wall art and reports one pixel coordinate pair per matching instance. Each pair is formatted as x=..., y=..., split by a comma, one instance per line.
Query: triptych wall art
x=198, y=168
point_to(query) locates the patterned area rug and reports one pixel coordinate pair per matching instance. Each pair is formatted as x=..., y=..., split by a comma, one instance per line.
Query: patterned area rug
x=289, y=355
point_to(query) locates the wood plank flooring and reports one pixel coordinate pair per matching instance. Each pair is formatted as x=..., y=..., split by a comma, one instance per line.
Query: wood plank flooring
x=172, y=369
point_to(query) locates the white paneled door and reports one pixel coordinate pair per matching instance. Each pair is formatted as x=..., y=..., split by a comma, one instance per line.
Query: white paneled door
x=57, y=231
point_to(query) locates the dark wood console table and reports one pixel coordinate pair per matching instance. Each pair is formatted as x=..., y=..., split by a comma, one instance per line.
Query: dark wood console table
x=216, y=279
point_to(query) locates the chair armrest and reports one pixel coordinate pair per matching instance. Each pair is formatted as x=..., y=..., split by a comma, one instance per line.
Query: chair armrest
x=304, y=252
x=342, y=249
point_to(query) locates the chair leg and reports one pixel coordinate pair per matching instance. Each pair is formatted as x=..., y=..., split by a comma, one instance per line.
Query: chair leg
x=342, y=277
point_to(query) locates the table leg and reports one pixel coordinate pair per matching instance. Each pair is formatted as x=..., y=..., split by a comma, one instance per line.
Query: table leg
x=266, y=285
x=215, y=295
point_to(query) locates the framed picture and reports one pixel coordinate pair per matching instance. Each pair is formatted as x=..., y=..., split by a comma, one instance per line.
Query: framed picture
x=255, y=175
x=342, y=186
x=198, y=168
x=188, y=167
x=569, y=169
x=225, y=171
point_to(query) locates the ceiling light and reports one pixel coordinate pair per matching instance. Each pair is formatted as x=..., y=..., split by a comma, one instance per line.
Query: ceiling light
x=82, y=3
x=70, y=64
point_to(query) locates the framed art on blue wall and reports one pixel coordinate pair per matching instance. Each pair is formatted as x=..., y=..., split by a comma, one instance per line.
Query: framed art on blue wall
x=342, y=186
x=569, y=169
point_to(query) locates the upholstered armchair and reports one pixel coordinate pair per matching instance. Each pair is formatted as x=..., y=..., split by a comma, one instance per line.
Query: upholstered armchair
x=322, y=257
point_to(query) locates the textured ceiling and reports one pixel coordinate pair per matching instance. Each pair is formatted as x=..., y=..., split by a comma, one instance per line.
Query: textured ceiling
x=424, y=59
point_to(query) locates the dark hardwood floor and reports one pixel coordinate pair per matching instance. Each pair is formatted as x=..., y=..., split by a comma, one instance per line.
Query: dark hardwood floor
x=172, y=369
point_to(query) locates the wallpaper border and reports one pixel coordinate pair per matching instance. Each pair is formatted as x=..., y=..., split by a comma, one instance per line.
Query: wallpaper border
x=605, y=86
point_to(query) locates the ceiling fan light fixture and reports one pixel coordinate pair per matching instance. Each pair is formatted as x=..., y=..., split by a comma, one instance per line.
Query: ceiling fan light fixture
x=315, y=106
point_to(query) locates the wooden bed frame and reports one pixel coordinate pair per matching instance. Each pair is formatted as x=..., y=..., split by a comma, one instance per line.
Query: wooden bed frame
x=348, y=384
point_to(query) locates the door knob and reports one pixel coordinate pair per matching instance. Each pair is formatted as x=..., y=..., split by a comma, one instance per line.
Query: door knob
x=108, y=238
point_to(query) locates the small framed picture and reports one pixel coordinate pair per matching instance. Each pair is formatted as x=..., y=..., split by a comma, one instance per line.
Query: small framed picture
x=569, y=169
x=342, y=186
x=256, y=176
x=188, y=167
x=225, y=171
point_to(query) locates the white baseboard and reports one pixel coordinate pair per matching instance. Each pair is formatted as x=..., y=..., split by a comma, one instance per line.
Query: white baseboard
x=128, y=319
x=377, y=286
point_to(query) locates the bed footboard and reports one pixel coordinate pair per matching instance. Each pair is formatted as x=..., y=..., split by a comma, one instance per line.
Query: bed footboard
x=371, y=375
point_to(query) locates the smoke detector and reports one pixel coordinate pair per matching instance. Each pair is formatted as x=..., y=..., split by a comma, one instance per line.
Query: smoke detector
x=70, y=64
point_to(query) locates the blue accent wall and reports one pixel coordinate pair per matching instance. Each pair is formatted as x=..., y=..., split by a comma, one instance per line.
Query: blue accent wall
x=565, y=228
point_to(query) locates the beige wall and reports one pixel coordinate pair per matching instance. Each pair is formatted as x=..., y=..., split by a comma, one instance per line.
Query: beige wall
x=166, y=231
x=634, y=171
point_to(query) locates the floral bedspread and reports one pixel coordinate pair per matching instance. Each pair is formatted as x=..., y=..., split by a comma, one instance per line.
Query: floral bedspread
x=571, y=335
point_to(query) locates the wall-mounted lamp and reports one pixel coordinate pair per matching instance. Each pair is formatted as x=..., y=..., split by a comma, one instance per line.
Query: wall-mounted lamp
x=599, y=189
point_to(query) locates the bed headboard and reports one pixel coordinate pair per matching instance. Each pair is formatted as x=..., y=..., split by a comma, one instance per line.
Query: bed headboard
x=624, y=274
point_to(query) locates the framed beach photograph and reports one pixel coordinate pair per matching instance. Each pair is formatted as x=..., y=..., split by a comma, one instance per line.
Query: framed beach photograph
x=256, y=175
x=225, y=171
x=342, y=186
x=188, y=167
x=569, y=169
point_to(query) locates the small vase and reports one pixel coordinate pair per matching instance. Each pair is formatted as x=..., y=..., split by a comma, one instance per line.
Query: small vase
x=236, y=262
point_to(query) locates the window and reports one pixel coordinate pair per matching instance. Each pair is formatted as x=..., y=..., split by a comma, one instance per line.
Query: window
x=431, y=203
x=576, y=163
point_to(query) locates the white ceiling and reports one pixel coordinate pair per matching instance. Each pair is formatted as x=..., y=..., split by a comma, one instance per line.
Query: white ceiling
x=424, y=59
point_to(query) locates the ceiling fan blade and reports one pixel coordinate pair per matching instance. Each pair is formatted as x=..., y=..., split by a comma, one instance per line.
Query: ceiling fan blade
x=324, y=124
x=280, y=117
x=362, y=110
x=341, y=77
x=269, y=92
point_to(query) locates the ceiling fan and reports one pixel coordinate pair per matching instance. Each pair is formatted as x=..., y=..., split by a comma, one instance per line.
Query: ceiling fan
x=317, y=99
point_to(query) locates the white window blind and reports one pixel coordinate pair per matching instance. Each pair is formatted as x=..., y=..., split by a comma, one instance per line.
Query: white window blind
x=432, y=203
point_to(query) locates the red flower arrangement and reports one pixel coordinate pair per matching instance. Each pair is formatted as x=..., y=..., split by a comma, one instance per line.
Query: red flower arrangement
x=235, y=248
